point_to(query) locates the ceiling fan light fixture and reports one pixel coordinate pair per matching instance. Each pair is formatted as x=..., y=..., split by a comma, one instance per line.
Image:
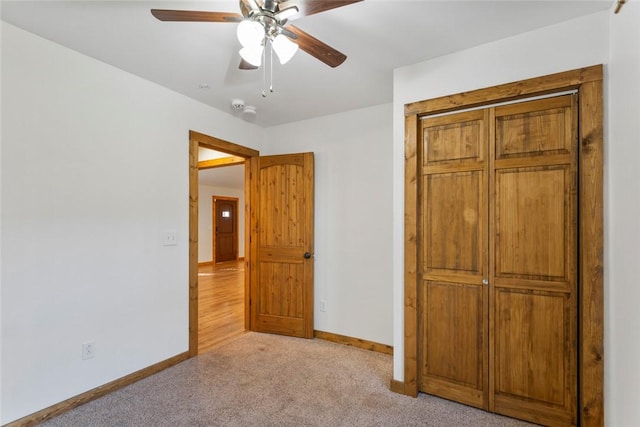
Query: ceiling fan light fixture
x=286, y=13
x=252, y=54
x=284, y=48
x=250, y=33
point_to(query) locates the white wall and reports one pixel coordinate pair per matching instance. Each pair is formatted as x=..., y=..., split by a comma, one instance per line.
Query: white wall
x=83, y=210
x=353, y=210
x=605, y=38
x=94, y=169
x=1, y=245
x=205, y=222
x=622, y=226
x=569, y=45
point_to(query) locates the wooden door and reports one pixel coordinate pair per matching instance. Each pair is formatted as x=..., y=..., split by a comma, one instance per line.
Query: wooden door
x=453, y=299
x=225, y=228
x=533, y=367
x=498, y=227
x=282, y=244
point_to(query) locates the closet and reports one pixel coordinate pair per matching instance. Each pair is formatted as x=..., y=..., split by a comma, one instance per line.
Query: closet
x=503, y=249
x=498, y=228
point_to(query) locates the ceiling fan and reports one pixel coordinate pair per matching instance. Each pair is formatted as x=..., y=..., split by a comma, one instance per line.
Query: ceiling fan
x=268, y=23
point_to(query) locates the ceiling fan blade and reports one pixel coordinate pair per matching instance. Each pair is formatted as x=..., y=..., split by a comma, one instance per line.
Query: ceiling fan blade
x=316, y=48
x=311, y=7
x=195, y=16
x=244, y=65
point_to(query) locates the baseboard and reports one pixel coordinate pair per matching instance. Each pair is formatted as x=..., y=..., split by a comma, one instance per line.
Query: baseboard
x=354, y=342
x=397, y=386
x=74, y=402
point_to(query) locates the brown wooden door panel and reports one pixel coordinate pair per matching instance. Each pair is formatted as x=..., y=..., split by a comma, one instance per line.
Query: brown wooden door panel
x=534, y=366
x=453, y=210
x=452, y=353
x=533, y=259
x=531, y=223
x=280, y=325
x=468, y=130
x=225, y=229
x=532, y=326
x=534, y=128
x=282, y=266
x=281, y=290
x=453, y=319
x=498, y=259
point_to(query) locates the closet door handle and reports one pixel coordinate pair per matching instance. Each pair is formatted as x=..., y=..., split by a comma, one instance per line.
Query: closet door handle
x=485, y=281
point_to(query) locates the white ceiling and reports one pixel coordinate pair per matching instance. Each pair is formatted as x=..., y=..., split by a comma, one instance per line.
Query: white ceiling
x=376, y=35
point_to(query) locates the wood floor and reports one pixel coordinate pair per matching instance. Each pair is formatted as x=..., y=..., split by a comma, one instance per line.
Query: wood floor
x=220, y=303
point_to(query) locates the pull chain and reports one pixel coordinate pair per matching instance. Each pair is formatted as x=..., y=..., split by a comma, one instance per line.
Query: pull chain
x=271, y=66
x=264, y=70
x=264, y=74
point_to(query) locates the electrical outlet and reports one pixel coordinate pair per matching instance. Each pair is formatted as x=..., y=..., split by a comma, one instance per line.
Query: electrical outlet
x=88, y=350
x=323, y=306
x=170, y=238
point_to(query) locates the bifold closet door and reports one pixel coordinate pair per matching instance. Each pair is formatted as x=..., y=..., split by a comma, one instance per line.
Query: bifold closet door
x=498, y=258
x=533, y=258
x=453, y=298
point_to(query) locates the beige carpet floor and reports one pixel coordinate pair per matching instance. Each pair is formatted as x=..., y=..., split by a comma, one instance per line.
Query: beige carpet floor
x=270, y=380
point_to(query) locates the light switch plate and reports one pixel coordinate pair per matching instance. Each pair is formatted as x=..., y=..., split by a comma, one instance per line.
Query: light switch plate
x=170, y=238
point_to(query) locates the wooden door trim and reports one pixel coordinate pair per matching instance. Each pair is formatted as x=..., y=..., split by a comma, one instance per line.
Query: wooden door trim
x=214, y=216
x=197, y=139
x=588, y=82
x=220, y=163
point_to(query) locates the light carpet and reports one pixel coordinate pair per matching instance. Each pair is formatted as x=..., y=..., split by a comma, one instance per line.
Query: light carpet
x=270, y=380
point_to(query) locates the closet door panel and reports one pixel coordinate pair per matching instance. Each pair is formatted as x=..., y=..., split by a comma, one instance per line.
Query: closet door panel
x=533, y=262
x=530, y=327
x=467, y=132
x=532, y=221
x=453, y=259
x=454, y=319
x=535, y=128
x=452, y=232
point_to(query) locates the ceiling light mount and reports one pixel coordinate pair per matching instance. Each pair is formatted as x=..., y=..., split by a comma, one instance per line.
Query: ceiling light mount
x=237, y=104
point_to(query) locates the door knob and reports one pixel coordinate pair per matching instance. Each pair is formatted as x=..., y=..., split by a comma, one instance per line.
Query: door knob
x=307, y=255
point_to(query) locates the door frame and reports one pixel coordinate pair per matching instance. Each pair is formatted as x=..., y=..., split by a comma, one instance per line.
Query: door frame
x=214, y=216
x=196, y=140
x=588, y=82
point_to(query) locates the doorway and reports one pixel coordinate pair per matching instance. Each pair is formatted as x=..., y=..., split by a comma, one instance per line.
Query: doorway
x=238, y=155
x=279, y=234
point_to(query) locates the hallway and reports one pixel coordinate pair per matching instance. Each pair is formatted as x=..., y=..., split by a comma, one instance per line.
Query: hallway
x=220, y=303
